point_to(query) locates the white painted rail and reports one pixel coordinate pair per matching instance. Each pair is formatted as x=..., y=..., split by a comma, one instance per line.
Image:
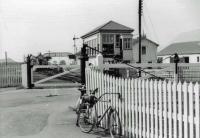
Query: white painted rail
x=150, y=108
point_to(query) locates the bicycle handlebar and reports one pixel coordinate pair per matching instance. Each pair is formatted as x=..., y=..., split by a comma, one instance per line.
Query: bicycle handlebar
x=92, y=92
x=119, y=95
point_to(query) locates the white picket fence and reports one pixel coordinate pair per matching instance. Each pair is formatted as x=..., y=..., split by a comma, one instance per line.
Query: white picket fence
x=150, y=108
x=10, y=75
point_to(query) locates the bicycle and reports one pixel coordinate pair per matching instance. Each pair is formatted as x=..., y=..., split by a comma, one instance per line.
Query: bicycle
x=80, y=101
x=88, y=118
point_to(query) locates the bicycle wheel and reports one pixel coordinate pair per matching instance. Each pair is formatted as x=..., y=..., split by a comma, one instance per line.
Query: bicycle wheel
x=115, y=125
x=86, y=120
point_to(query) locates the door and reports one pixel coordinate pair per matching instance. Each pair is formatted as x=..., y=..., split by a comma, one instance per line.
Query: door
x=121, y=50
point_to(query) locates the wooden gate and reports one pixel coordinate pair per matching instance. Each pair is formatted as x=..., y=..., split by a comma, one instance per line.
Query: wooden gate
x=44, y=76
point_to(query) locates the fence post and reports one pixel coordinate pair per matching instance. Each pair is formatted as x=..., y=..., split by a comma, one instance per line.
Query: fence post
x=29, y=73
x=99, y=62
x=24, y=75
x=176, y=60
x=83, y=59
x=127, y=73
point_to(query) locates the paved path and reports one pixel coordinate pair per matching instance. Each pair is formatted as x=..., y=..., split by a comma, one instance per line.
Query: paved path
x=32, y=114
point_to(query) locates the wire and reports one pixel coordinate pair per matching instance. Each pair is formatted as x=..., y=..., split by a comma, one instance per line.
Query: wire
x=145, y=24
x=117, y=59
x=148, y=15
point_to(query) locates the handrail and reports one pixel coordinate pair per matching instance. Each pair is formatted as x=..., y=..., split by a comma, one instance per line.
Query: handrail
x=117, y=59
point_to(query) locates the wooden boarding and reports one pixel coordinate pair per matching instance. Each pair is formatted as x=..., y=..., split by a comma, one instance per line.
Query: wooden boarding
x=10, y=75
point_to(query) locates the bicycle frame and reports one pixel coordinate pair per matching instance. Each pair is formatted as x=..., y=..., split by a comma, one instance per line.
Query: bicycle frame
x=91, y=103
x=109, y=109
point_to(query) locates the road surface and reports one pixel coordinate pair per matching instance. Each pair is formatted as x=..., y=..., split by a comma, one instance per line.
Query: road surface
x=40, y=113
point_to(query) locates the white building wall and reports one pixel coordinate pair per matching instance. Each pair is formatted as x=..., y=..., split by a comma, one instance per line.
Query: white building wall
x=132, y=55
x=127, y=55
x=192, y=58
x=151, y=52
x=117, y=51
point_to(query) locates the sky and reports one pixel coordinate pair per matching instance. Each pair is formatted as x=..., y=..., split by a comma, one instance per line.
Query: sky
x=34, y=26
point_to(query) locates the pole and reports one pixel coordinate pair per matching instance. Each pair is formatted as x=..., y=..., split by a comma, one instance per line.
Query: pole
x=140, y=28
x=75, y=48
x=29, y=83
x=176, y=61
x=83, y=58
x=74, y=44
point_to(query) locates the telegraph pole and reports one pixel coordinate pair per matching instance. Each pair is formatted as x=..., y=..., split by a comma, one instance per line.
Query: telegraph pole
x=140, y=9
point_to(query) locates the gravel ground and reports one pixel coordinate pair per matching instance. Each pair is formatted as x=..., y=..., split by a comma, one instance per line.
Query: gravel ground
x=36, y=114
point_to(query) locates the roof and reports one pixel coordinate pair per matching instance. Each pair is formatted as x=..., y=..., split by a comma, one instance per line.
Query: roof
x=57, y=54
x=110, y=26
x=181, y=48
x=9, y=60
x=144, y=38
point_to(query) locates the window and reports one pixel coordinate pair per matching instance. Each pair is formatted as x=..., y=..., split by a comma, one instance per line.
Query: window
x=92, y=43
x=98, y=47
x=88, y=51
x=108, y=44
x=95, y=46
x=108, y=38
x=108, y=49
x=143, y=50
x=127, y=43
x=197, y=59
x=186, y=59
x=95, y=42
x=95, y=52
x=117, y=41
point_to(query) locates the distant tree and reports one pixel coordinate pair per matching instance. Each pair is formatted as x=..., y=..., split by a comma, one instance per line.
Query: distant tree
x=41, y=59
x=62, y=62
